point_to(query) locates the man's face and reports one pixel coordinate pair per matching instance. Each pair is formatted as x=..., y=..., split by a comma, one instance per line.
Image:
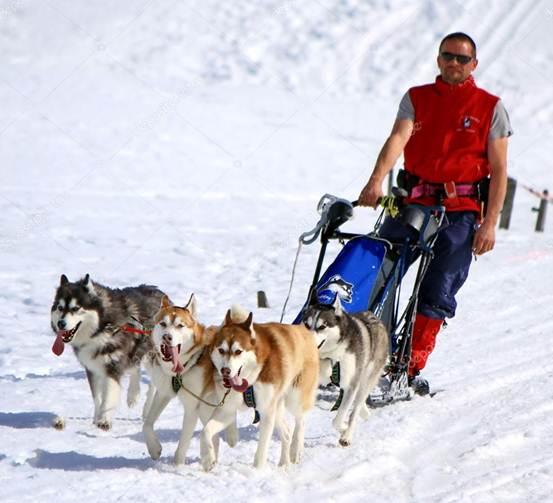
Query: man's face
x=454, y=72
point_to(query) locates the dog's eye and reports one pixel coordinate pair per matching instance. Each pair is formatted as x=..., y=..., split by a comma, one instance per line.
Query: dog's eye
x=221, y=351
x=238, y=352
x=180, y=325
x=60, y=308
x=74, y=309
x=321, y=327
x=163, y=324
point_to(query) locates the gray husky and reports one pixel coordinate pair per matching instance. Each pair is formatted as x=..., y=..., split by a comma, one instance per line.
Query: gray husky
x=359, y=342
x=95, y=321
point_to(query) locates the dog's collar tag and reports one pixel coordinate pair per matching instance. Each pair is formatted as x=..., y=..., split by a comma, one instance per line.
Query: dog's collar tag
x=176, y=383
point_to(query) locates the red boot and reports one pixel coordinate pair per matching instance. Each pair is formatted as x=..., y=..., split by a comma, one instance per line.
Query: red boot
x=423, y=342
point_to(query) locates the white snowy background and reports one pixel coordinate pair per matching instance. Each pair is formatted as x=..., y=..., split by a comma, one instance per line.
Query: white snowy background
x=185, y=144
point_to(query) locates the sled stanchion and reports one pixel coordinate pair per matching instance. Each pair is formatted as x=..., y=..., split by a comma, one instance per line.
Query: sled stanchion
x=262, y=299
x=542, y=211
x=505, y=219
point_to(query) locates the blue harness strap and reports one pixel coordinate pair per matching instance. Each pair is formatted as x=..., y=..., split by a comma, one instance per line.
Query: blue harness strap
x=249, y=400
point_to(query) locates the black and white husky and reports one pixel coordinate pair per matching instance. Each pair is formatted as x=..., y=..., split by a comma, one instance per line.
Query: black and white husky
x=92, y=319
x=359, y=342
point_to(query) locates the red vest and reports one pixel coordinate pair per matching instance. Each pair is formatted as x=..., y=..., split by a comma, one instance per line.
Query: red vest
x=450, y=136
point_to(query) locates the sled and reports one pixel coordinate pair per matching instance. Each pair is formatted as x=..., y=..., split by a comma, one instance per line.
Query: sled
x=368, y=272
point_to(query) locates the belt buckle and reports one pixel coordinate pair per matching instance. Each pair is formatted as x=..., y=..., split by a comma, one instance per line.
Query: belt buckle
x=450, y=190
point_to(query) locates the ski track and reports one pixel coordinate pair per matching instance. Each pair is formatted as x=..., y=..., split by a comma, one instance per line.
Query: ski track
x=187, y=146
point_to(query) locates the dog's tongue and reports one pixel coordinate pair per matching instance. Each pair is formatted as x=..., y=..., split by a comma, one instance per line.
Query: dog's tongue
x=177, y=365
x=239, y=384
x=59, y=345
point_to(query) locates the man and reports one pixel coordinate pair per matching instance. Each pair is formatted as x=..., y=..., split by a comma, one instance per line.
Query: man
x=453, y=135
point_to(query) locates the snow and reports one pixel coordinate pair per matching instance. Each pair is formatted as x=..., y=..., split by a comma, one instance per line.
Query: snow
x=186, y=145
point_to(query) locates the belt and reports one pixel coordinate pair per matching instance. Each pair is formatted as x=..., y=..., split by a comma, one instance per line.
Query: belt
x=448, y=189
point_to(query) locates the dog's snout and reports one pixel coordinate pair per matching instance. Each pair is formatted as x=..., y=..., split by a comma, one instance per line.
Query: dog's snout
x=225, y=372
x=61, y=324
x=166, y=338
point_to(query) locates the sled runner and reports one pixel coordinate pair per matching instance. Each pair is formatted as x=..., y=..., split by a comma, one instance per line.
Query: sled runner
x=368, y=274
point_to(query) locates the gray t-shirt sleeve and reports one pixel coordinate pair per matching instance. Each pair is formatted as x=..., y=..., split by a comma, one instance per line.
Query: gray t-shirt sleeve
x=501, y=125
x=406, y=109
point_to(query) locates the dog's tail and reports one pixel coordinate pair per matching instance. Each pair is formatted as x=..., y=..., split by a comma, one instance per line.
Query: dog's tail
x=238, y=314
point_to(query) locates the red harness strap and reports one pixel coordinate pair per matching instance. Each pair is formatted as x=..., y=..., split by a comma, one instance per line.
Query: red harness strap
x=132, y=330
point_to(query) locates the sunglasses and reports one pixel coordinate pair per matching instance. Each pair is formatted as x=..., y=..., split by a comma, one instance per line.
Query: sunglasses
x=461, y=58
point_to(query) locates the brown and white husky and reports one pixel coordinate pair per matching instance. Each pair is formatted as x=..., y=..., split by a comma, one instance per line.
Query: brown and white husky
x=281, y=362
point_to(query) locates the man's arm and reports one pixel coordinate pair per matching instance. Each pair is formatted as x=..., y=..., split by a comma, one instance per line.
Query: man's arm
x=484, y=238
x=389, y=154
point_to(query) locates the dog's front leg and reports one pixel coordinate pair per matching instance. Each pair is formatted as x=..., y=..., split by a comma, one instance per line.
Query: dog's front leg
x=149, y=400
x=266, y=428
x=359, y=404
x=189, y=421
x=349, y=384
x=231, y=433
x=159, y=402
x=95, y=390
x=284, y=434
x=220, y=420
x=111, y=389
x=134, y=386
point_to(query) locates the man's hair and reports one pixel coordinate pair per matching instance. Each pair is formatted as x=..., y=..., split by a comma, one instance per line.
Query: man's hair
x=459, y=35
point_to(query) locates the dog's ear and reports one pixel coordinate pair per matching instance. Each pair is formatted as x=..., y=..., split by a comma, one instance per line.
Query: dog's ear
x=63, y=280
x=337, y=305
x=165, y=302
x=191, y=306
x=313, y=298
x=228, y=318
x=247, y=324
x=88, y=285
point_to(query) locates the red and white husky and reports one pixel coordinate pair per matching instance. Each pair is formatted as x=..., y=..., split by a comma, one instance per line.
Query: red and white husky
x=282, y=364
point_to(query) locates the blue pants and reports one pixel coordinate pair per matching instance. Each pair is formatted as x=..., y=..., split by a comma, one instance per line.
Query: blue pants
x=450, y=266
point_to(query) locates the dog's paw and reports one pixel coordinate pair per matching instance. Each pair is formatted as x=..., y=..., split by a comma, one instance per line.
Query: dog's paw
x=58, y=423
x=296, y=455
x=154, y=449
x=344, y=443
x=232, y=435
x=364, y=412
x=208, y=462
x=104, y=424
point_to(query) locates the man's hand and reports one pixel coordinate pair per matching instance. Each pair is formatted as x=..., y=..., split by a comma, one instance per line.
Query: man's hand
x=370, y=194
x=484, y=239
x=389, y=154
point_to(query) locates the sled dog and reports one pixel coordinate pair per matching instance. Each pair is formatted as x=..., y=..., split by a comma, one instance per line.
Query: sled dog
x=281, y=362
x=92, y=319
x=359, y=342
x=179, y=364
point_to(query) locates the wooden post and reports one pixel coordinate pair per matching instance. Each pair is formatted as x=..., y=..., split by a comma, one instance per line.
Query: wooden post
x=505, y=219
x=542, y=211
x=262, y=299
